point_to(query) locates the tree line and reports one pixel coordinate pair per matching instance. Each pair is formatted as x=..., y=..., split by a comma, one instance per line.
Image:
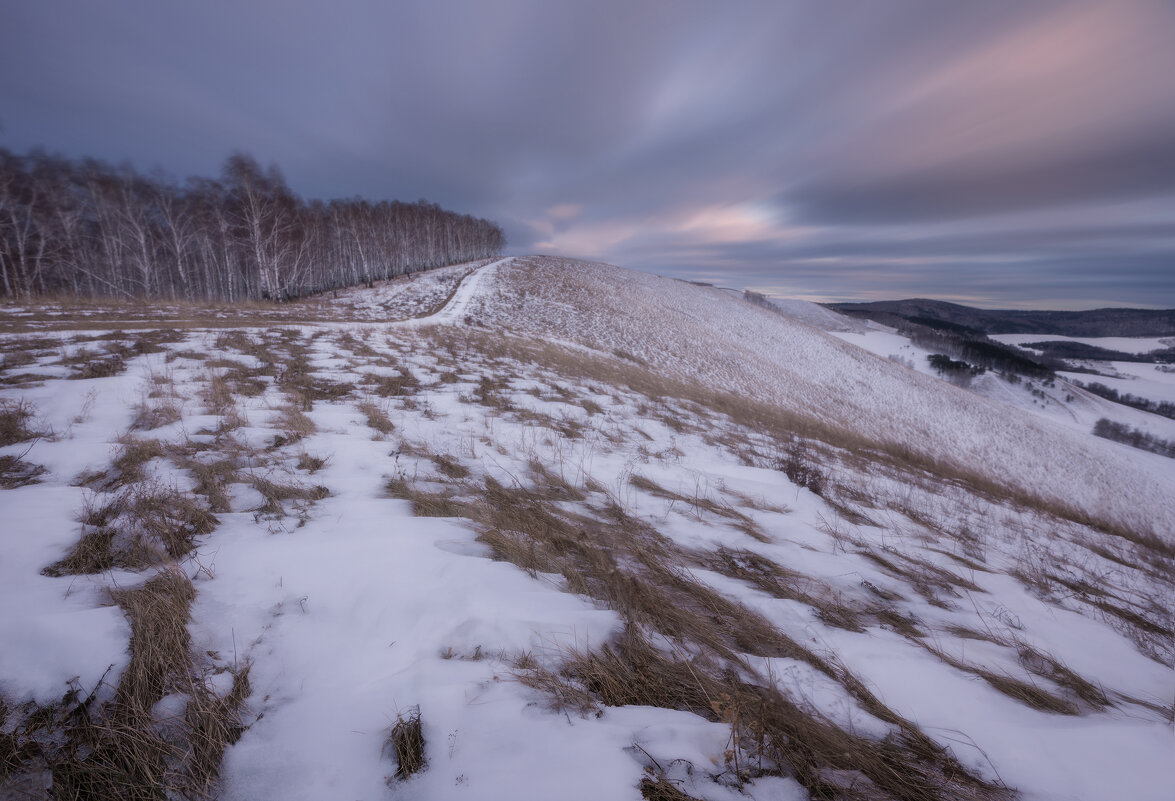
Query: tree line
x=1163, y=408
x=84, y=227
x=978, y=350
x=1134, y=437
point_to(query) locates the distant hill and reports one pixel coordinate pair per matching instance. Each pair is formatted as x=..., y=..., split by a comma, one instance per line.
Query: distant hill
x=1091, y=323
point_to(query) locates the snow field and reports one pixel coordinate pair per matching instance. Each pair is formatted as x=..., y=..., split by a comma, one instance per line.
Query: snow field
x=350, y=609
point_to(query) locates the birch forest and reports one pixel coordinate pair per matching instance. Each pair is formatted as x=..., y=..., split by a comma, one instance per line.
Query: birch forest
x=87, y=228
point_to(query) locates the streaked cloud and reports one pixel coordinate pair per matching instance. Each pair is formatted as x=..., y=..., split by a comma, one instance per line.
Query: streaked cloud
x=1003, y=152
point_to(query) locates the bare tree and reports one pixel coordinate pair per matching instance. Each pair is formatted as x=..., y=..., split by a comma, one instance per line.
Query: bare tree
x=84, y=227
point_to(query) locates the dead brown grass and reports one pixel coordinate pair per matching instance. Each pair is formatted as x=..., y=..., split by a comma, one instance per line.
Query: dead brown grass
x=143, y=525
x=278, y=493
x=376, y=417
x=770, y=733
x=311, y=463
x=99, y=368
x=15, y=417
x=900, y=459
x=779, y=582
x=212, y=480
x=1049, y=667
x=449, y=467
x=425, y=503
x=660, y=788
x=1025, y=692
x=388, y=386
x=623, y=563
x=566, y=426
x=405, y=743
x=151, y=415
x=117, y=748
x=217, y=394
x=214, y=722
x=294, y=424
x=15, y=472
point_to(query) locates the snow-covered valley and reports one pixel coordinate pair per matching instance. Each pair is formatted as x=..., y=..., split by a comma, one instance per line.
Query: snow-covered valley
x=539, y=528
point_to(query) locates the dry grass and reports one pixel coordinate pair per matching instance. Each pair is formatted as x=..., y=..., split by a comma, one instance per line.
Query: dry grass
x=591, y=407
x=449, y=467
x=213, y=723
x=488, y=393
x=797, y=464
x=134, y=454
x=377, y=418
x=99, y=367
x=779, y=582
x=294, y=424
x=349, y=341
x=121, y=753
x=1052, y=669
x=149, y=416
x=927, y=579
x=15, y=359
x=424, y=503
x=629, y=567
x=278, y=493
x=217, y=394
x=902, y=460
x=388, y=386
x=143, y=525
x=212, y=480
x=15, y=472
x=770, y=734
x=295, y=376
x=1026, y=693
x=566, y=426
x=553, y=487
x=116, y=748
x=699, y=503
x=661, y=789
x=405, y=743
x=158, y=612
x=14, y=422
x=310, y=463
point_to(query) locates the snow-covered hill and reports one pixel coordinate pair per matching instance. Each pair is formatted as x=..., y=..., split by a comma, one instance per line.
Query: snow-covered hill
x=559, y=529
x=706, y=335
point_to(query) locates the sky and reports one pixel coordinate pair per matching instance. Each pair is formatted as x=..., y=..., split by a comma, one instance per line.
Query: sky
x=999, y=154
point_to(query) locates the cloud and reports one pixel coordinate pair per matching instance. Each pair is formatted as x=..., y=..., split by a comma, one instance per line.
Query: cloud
x=783, y=143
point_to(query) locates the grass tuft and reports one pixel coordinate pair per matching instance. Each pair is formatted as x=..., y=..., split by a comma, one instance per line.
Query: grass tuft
x=405, y=743
x=377, y=418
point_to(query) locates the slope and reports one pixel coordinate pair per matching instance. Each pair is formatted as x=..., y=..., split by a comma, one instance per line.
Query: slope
x=704, y=335
x=582, y=533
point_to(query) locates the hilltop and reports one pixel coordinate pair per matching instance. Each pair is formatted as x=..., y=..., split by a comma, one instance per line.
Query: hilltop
x=535, y=528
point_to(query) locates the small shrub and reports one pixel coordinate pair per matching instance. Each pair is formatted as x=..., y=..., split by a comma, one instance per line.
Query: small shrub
x=100, y=368
x=799, y=468
x=14, y=422
x=309, y=463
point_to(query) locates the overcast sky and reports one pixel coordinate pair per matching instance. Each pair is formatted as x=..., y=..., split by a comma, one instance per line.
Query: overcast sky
x=992, y=153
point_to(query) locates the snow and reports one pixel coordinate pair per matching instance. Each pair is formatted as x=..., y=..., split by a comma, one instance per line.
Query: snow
x=817, y=316
x=706, y=335
x=51, y=634
x=1148, y=381
x=351, y=610
x=1121, y=344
